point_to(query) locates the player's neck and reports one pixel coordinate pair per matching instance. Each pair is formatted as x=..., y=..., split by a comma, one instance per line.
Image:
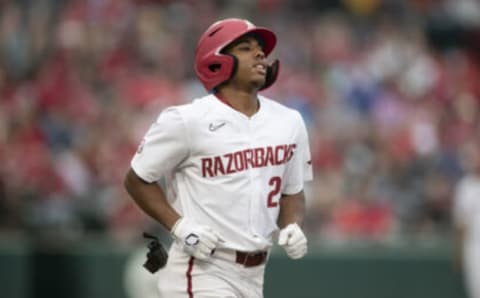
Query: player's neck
x=244, y=102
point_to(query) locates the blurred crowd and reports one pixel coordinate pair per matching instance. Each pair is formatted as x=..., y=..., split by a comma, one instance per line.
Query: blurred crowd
x=389, y=89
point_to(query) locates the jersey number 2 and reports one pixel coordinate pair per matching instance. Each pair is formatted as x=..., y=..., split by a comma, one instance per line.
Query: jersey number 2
x=276, y=182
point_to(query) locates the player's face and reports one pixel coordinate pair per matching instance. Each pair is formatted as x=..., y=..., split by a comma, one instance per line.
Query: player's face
x=252, y=65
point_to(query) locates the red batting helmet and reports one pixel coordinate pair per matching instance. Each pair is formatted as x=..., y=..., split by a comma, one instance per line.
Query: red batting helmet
x=213, y=67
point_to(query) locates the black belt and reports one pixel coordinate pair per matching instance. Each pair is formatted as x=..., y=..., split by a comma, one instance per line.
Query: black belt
x=251, y=259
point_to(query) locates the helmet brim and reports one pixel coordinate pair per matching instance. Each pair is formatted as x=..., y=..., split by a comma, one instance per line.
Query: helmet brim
x=269, y=38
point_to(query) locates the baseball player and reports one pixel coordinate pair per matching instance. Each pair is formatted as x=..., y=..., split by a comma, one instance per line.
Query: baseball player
x=233, y=164
x=466, y=215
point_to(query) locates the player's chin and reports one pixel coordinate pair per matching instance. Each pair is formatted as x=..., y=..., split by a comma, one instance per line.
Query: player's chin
x=258, y=81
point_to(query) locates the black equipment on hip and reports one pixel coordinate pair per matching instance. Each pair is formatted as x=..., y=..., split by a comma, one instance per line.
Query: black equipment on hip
x=157, y=256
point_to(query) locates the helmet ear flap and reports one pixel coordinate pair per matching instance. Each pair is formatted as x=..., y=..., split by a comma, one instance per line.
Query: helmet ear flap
x=272, y=74
x=234, y=66
x=215, y=70
x=230, y=73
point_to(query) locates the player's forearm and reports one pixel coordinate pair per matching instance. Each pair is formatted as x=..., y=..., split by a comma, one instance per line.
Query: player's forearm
x=292, y=209
x=151, y=199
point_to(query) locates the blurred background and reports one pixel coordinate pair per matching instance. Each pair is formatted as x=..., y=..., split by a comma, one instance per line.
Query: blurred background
x=389, y=89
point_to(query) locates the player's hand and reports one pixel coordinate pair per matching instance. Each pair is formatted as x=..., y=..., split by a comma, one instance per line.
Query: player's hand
x=197, y=240
x=292, y=239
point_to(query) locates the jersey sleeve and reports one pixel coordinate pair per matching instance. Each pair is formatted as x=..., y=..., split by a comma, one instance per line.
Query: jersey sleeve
x=299, y=168
x=163, y=148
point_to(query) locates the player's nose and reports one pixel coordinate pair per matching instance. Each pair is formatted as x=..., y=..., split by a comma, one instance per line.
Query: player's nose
x=259, y=53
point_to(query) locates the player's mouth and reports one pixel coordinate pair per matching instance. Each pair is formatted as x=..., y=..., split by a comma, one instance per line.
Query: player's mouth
x=260, y=68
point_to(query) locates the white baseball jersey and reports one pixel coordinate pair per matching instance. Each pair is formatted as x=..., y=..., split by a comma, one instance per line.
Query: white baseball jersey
x=226, y=170
x=467, y=213
x=467, y=207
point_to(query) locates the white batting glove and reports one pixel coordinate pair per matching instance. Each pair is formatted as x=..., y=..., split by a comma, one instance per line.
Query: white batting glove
x=197, y=240
x=292, y=239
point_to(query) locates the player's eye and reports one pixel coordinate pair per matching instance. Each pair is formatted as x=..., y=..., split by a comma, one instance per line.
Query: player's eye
x=244, y=48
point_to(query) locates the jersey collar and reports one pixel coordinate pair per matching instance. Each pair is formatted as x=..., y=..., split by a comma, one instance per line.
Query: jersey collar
x=224, y=101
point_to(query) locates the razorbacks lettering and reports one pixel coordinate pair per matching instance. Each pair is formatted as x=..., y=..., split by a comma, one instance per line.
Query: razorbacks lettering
x=245, y=159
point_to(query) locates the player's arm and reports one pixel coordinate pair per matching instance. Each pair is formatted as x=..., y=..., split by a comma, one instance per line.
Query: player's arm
x=290, y=220
x=165, y=147
x=197, y=240
x=292, y=210
x=292, y=203
x=151, y=199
